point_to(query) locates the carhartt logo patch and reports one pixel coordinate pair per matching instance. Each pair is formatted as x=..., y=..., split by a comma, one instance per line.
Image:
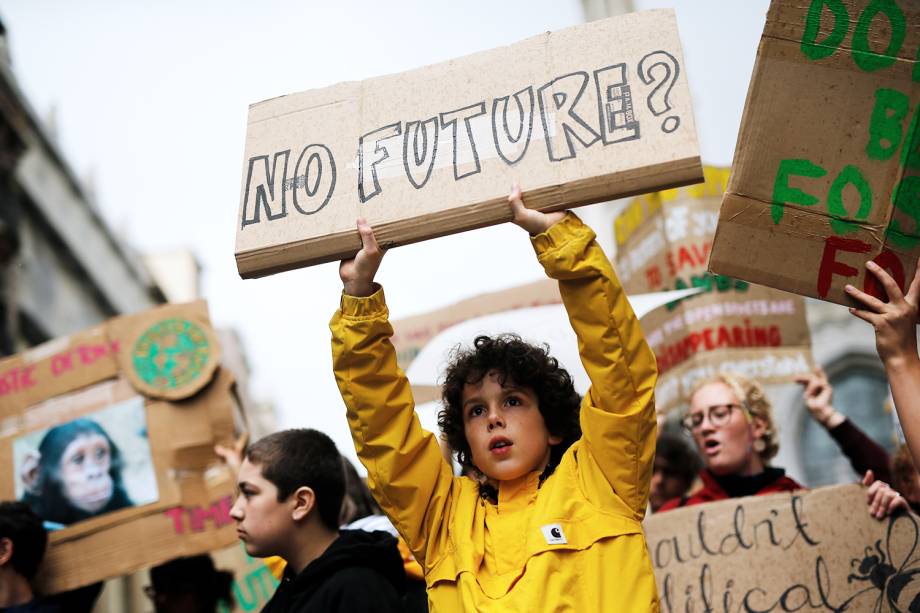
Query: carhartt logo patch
x=553, y=534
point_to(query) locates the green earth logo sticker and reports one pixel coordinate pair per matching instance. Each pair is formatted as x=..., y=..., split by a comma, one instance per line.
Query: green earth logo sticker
x=171, y=354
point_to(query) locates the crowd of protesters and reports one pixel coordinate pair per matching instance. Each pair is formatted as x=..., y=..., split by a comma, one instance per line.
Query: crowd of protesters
x=532, y=452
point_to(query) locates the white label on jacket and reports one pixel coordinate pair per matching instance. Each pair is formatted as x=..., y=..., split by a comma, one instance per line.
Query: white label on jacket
x=553, y=534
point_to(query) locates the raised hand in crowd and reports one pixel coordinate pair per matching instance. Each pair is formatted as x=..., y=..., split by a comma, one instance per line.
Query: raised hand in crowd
x=358, y=273
x=817, y=395
x=882, y=498
x=863, y=453
x=895, y=324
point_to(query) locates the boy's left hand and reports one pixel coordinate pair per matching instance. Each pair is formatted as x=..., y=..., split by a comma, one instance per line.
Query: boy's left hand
x=535, y=222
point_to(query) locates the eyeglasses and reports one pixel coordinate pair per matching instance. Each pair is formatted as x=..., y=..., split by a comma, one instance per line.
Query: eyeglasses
x=718, y=415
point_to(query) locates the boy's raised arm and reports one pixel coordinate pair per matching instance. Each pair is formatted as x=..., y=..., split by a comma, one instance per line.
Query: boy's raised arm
x=618, y=413
x=406, y=472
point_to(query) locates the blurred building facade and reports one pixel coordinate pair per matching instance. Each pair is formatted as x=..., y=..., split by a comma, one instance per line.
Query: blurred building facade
x=61, y=268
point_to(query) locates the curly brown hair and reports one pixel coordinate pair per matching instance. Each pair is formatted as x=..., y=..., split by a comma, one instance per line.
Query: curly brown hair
x=524, y=365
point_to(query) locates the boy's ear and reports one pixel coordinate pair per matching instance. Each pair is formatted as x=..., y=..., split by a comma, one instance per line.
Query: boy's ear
x=554, y=439
x=304, y=501
x=6, y=550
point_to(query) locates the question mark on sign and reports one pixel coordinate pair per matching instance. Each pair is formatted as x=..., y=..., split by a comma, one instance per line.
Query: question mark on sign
x=658, y=102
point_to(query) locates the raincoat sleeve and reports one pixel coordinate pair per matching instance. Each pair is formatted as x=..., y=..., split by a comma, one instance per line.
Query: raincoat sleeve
x=618, y=412
x=405, y=469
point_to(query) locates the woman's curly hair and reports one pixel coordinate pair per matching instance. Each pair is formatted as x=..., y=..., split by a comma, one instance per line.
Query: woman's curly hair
x=523, y=364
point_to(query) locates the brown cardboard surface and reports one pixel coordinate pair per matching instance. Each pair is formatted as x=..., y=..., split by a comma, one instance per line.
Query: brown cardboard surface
x=826, y=174
x=413, y=333
x=253, y=582
x=663, y=242
x=87, y=374
x=581, y=115
x=816, y=550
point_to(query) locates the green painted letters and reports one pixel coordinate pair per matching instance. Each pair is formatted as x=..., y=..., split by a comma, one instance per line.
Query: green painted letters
x=850, y=175
x=907, y=200
x=885, y=131
x=784, y=194
x=818, y=50
x=863, y=55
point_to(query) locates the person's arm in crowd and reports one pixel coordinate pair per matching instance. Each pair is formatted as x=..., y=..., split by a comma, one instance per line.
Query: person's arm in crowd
x=895, y=324
x=862, y=452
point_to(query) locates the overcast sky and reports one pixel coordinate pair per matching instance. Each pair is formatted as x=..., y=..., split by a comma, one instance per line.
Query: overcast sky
x=150, y=98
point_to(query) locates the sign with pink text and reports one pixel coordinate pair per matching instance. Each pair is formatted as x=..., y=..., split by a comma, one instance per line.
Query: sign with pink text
x=664, y=241
x=108, y=436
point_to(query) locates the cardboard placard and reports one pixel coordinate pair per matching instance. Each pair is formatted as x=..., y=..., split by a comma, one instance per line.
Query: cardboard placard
x=253, y=582
x=826, y=174
x=123, y=480
x=582, y=115
x=663, y=242
x=816, y=550
x=413, y=333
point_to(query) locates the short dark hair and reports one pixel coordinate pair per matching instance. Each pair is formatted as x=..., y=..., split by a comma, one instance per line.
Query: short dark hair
x=20, y=524
x=680, y=455
x=303, y=457
x=524, y=365
x=197, y=576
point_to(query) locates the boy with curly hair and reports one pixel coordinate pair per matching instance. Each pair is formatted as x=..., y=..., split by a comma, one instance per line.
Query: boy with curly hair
x=555, y=521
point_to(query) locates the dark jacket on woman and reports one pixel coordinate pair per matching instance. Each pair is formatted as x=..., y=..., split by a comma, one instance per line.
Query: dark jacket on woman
x=360, y=571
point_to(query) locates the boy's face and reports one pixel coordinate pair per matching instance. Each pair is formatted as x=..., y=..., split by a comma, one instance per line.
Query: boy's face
x=262, y=523
x=505, y=429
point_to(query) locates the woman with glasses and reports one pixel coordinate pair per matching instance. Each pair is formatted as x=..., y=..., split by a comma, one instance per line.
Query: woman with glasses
x=731, y=422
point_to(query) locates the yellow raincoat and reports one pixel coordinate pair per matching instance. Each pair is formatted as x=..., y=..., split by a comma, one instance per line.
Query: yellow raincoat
x=573, y=544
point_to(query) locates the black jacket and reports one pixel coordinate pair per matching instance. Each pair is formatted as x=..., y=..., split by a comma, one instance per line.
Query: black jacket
x=360, y=571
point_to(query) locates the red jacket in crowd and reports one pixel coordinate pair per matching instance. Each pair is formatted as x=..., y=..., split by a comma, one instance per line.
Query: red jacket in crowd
x=771, y=481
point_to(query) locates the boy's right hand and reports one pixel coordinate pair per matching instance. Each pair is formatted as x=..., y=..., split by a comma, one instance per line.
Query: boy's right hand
x=535, y=222
x=358, y=273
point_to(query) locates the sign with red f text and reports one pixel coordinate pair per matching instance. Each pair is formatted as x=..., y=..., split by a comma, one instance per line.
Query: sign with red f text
x=826, y=174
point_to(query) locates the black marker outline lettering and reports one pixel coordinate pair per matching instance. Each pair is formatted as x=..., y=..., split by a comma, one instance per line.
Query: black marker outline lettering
x=513, y=140
x=260, y=196
x=452, y=123
x=319, y=176
x=559, y=100
x=430, y=153
x=395, y=129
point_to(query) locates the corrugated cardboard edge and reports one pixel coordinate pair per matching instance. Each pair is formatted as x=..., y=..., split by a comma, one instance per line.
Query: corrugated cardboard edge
x=279, y=258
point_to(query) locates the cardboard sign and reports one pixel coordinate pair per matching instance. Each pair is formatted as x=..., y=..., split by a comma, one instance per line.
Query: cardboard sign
x=122, y=479
x=826, y=174
x=581, y=115
x=786, y=552
x=411, y=334
x=663, y=242
x=253, y=582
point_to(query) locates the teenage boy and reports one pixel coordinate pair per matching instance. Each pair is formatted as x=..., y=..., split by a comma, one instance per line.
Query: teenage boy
x=291, y=488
